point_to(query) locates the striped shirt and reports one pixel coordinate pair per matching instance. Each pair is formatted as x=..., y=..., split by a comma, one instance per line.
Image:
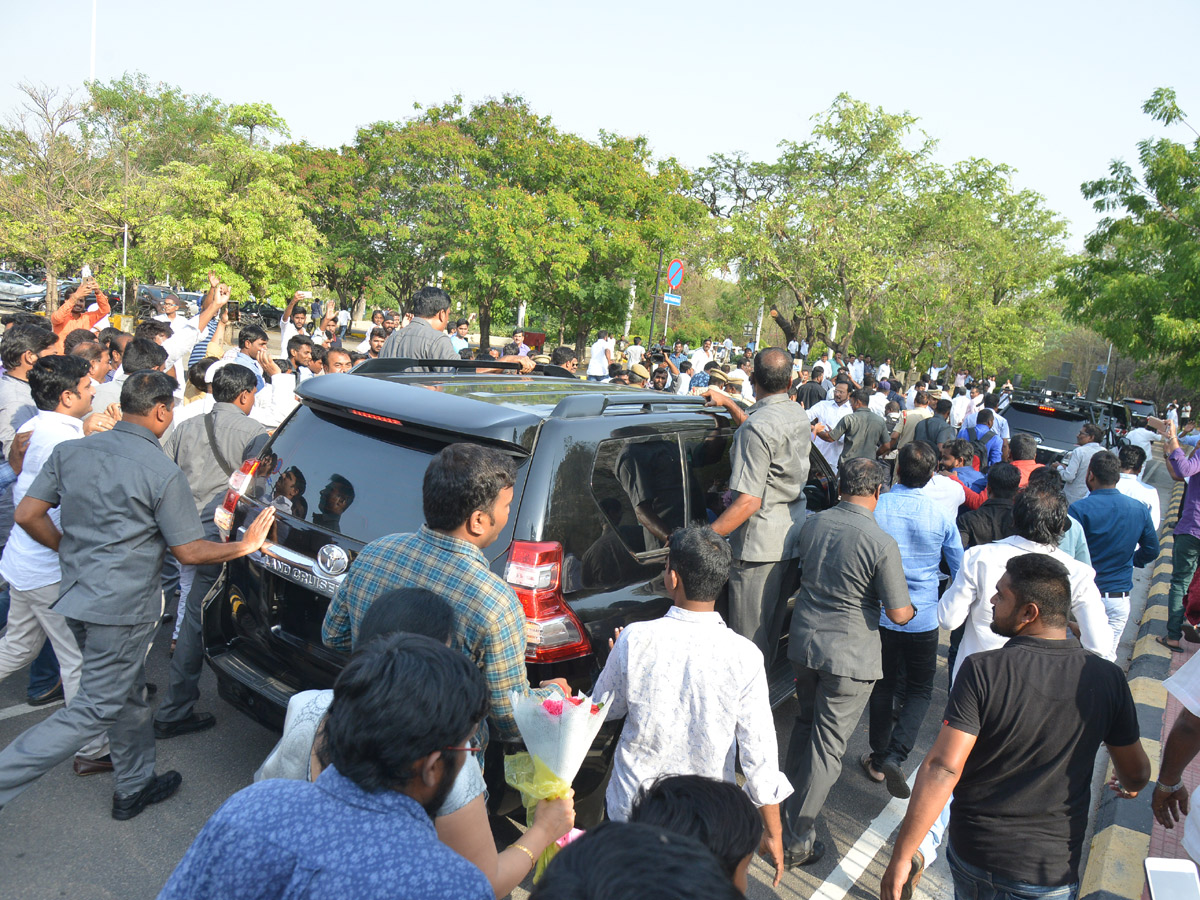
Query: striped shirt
x=489, y=623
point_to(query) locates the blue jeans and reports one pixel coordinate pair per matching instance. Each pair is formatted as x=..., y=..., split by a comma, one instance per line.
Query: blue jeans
x=973, y=883
x=43, y=671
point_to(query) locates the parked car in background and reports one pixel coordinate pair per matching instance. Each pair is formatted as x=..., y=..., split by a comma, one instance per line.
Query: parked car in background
x=1053, y=423
x=14, y=286
x=36, y=303
x=603, y=471
x=150, y=299
x=260, y=313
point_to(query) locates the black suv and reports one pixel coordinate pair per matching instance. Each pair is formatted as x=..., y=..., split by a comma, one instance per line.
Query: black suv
x=1055, y=422
x=601, y=469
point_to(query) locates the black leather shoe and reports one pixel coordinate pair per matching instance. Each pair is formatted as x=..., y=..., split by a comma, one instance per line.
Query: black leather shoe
x=54, y=694
x=193, y=723
x=159, y=789
x=84, y=766
x=791, y=860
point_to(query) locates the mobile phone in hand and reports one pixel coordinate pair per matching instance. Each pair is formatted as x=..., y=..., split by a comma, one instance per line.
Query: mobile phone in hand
x=1157, y=424
x=235, y=311
x=1172, y=879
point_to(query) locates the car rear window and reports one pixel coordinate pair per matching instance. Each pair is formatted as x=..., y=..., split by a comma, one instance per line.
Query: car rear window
x=1059, y=429
x=360, y=481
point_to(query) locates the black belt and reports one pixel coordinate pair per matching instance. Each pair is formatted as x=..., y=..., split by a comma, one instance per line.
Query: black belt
x=1113, y=595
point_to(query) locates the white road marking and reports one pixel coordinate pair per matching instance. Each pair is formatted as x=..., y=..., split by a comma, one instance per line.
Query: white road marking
x=858, y=857
x=22, y=709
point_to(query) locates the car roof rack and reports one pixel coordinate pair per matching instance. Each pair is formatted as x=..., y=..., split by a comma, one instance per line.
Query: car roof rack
x=579, y=406
x=400, y=365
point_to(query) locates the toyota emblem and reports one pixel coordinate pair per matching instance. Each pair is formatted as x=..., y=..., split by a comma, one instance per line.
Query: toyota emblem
x=332, y=559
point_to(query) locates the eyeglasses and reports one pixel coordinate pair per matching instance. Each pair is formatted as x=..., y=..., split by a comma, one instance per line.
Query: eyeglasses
x=473, y=746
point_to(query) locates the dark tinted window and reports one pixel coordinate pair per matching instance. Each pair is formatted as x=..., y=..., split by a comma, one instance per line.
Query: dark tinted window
x=1059, y=430
x=708, y=474
x=638, y=485
x=358, y=481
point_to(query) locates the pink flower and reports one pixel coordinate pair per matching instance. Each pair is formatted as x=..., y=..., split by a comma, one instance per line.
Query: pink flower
x=554, y=707
x=595, y=709
x=575, y=701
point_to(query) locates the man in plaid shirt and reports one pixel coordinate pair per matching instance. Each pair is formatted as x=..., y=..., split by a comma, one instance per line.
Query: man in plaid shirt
x=467, y=493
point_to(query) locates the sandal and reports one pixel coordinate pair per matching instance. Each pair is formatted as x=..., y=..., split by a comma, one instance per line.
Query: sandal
x=865, y=762
x=1174, y=648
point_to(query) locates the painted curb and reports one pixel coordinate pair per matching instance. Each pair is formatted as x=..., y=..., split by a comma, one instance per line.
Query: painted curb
x=1122, y=835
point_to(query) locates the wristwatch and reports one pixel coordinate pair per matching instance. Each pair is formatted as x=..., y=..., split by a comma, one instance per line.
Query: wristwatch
x=1168, y=788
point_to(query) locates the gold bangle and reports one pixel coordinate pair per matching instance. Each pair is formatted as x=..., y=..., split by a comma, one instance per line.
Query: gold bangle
x=527, y=852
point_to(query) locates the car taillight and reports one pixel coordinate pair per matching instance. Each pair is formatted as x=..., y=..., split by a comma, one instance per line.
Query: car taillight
x=238, y=482
x=552, y=631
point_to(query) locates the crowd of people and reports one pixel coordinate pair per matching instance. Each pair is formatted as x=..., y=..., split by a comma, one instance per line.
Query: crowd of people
x=118, y=449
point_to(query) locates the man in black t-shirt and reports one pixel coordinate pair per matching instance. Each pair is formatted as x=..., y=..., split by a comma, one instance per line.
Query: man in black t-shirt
x=1017, y=747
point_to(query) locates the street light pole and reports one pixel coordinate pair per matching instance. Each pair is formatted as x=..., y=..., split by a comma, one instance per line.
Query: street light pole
x=92, y=69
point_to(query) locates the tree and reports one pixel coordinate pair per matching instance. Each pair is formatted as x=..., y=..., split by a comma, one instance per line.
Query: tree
x=238, y=213
x=49, y=185
x=1138, y=281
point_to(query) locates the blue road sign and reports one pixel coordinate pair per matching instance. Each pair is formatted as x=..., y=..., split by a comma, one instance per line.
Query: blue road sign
x=671, y=299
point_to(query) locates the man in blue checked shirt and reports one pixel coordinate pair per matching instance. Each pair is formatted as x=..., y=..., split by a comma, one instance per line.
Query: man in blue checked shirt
x=468, y=490
x=926, y=534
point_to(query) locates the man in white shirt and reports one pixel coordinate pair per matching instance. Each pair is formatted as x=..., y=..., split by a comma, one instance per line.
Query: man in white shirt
x=856, y=368
x=1145, y=438
x=693, y=692
x=946, y=492
x=1074, y=470
x=829, y=413
x=343, y=321
x=703, y=356
x=62, y=390
x=293, y=321
x=601, y=358
x=1133, y=458
x=683, y=383
x=635, y=352
x=879, y=400
x=884, y=371
x=793, y=347
x=960, y=406
x=1039, y=521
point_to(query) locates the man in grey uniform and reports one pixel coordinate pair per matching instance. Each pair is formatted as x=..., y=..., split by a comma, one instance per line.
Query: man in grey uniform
x=122, y=503
x=769, y=464
x=850, y=569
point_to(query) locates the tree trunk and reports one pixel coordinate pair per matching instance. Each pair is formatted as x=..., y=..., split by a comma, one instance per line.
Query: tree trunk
x=51, y=290
x=562, y=326
x=485, y=324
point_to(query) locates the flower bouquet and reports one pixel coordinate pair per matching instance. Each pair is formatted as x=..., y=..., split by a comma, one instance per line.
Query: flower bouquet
x=558, y=734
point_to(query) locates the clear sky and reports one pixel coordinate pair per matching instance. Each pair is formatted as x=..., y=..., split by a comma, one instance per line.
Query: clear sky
x=1052, y=88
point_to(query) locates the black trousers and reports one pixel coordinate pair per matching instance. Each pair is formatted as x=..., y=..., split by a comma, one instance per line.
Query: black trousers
x=916, y=655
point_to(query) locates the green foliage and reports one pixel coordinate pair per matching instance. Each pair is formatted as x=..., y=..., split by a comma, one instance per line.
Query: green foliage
x=1138, y=282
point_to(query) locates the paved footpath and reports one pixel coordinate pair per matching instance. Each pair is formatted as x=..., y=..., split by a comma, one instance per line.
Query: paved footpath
x=1125, y=830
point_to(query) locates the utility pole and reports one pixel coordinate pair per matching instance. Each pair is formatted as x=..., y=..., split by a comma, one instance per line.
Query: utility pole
x=124, y=265
x=654, y=302
x=629, y=310
x=92, y=69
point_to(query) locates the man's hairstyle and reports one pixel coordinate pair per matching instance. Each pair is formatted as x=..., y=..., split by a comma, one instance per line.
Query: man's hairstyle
x=960, y=448
x=510, y=349
x=817, y=373
x=113, y=337
x=142, y=391
x=152, y=329
x=460, y=322
x=378, y=332
x=859, y=477
x=342, y=483
x=22, y=318
x=22, y=339
x=463, y=479
x=249, y=335
x=560, y=356
x=1040, y=514
x=51, y=375
x=1045, y=475
x=921, y=397
x=943, y=407
x=862, y=396
x=991, y=401
x=1132, y=458
x=331, y=352
x=88, y=351
x=684, y=366
x=429, y=301
x=142, y=353
x=700, y=558
x=1003, y=481
x=198, y=370
x=75, y=337
x=716, y=813
x=356, y=357
x=318, y=353
x=230, y=380
x=301, y=487
x=399, y=699
x=517, y=331
x=985, y=417
x=1044, y=581
x=615, y=369
x=630, y=861
x=296, y=341
x=772, y=370
x=915, y=464
x=1095, y=432
x=602, y=335
x=1105, y=468
x=711, y=364
x=1023, y=446
x=406, y=610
